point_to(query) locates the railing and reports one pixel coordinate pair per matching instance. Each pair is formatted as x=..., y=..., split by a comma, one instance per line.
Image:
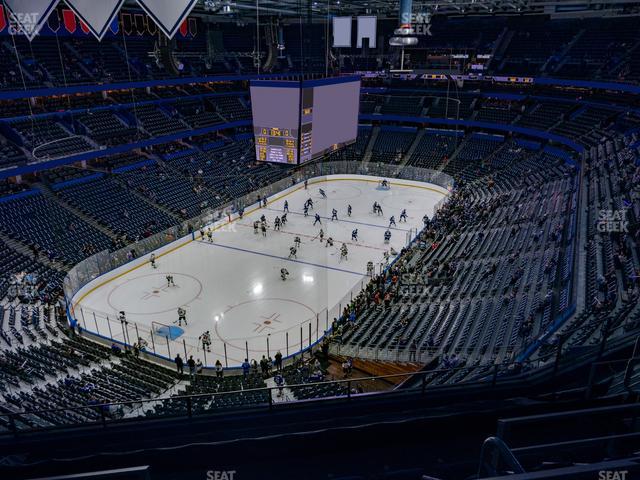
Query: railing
x=266, y=398
x=504, y=380
x=161, y=342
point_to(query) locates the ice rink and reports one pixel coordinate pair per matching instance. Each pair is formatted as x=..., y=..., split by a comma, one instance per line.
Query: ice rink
x=231, y=286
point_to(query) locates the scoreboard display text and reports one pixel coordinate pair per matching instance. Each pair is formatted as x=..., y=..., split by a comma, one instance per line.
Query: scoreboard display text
x=275, y=144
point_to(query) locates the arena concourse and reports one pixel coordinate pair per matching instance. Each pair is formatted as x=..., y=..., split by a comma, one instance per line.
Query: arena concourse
x=324, y=240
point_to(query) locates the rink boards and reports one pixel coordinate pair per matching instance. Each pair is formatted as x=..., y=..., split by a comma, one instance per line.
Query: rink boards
x=231, y=287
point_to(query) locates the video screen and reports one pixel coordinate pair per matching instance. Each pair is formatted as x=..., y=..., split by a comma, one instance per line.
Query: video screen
x=295, y=122
x=276, y=118
x=335, y=116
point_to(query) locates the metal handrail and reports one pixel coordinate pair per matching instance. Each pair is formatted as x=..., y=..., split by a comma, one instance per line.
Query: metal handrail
x=349, y=383
x=497, y=450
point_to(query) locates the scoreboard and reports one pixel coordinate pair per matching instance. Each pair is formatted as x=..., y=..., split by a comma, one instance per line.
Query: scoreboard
x=277, y=145
x=276, y=116
x=297, y=121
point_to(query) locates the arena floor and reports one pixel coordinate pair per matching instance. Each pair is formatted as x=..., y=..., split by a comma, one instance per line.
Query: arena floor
x=232, y=288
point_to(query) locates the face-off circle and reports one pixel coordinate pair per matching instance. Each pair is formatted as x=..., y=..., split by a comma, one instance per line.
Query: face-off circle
x=150, y=295
x=262, y=317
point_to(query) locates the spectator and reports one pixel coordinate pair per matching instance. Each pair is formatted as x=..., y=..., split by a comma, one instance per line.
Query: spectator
x=246, y=368
x=199, y=366
x=179, y=364
x=413, y=350
x=191, y=363
x=115, y=349
x=278, y=361
x=264, y=366
x=220, y=370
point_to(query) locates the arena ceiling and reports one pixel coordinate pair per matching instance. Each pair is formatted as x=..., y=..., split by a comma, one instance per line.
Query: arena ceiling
x=389, y=8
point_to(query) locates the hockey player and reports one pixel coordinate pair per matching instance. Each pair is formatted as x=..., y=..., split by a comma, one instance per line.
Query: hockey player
x=296, y=241
x=310, y=203
x=385, y=184
x=205, y=339
x=256, y=227
x=334, y=215
x=170, y=281
x=264, y=202
x=306, y=184
x=263, y=219
x=276, y=223
x=152, y=260
x=344, y=252
x=392, y=221
x=263, y=228
x=324, y=195
x=403, y=215
x=317, y=220
x=349, y=210
x=321, y=235
x=370, y=268
x=387, y=236
x=354, y=235
x=375, y=207
x=182, y=316
x=329, y=242
x=284, y=273
x=283, y=219
x=292, y=252
x=286, y=206
x=306, y=210
x=209, y=235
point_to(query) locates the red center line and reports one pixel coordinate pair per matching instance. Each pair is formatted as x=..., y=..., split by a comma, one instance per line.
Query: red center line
x=325, y=237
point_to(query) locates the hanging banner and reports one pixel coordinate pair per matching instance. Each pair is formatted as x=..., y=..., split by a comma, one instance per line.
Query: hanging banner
x=138, y=21
x=53, y=22
x=152, y=29
x=3, y=21
x=168, y=14
x=127, y=23
x=29, y=15
x=97, y=16
x=69, y=19
x=115, y=26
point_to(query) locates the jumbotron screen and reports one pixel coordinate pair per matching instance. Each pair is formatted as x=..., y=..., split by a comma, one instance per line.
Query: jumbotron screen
x=295, y=122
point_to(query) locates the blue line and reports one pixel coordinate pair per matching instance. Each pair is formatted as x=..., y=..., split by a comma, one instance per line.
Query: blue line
x=282, y=258
x=345, y=221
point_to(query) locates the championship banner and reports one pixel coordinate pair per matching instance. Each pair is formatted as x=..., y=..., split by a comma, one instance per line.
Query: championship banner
x=97, y=16
x=29, y=15
x=168, y=14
